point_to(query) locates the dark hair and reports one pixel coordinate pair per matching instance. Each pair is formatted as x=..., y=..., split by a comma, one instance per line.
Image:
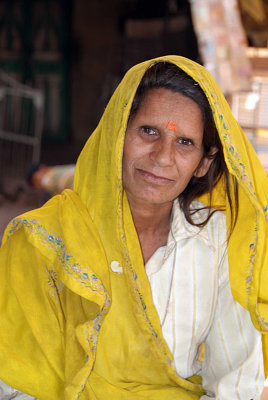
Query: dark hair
x=168, y=76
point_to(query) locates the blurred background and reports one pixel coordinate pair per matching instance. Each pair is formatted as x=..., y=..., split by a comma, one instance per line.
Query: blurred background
x=60, y=61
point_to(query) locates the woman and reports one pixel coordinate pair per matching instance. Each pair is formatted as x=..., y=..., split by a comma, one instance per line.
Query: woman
x=116, y=289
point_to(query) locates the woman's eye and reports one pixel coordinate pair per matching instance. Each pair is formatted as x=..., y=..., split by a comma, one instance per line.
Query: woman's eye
x=148, y=130
x=185, y=142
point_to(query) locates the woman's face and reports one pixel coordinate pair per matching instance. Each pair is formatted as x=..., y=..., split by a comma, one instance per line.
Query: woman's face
x=163, y=148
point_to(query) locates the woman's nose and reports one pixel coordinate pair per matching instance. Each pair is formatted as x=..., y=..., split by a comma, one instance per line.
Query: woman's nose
x=163, y=152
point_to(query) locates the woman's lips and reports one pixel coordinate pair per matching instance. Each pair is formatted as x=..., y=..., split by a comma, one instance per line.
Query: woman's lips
x=154, y=178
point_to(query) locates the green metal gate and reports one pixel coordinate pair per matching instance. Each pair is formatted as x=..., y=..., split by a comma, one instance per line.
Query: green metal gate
x=34, y=36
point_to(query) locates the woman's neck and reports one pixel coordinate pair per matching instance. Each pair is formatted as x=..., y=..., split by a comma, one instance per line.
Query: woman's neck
x=152, y=223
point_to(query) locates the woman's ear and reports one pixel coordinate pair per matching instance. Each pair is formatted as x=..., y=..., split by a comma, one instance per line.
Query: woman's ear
x=205, y=163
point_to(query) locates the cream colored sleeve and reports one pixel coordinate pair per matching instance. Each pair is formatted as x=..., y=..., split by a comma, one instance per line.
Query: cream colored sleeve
x=233, y=360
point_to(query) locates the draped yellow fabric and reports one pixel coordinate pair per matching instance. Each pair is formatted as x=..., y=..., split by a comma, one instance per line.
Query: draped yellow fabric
x=71, y=327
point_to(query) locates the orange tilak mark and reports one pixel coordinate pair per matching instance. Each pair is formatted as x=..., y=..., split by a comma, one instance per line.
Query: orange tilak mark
x=172, y=126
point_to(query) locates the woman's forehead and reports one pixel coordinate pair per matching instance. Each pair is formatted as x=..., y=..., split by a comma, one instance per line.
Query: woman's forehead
x=166, y=101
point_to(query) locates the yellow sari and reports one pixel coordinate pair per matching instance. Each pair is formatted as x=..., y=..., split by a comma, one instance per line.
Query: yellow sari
x=71, y=327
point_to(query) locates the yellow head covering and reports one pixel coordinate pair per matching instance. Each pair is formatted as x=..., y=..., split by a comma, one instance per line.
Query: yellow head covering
x=99, y=185
x=82, y=233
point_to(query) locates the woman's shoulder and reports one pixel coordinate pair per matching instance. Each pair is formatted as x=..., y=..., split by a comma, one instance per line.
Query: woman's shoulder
x=214, y=231
x=45, y=220
x=33, y=219
x=216, y=225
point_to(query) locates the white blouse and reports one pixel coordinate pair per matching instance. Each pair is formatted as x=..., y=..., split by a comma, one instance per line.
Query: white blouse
x=190, y=286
